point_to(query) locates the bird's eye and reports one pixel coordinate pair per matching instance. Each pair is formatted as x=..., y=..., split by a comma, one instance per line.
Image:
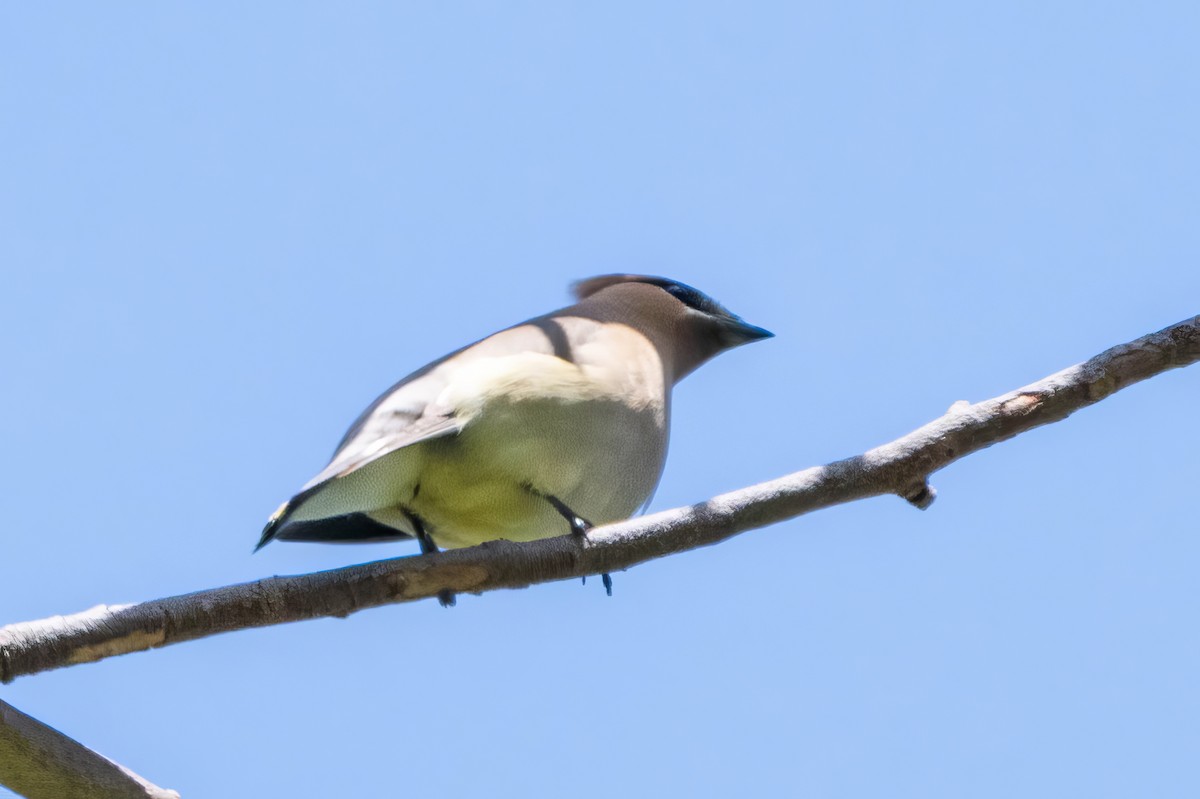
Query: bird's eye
x=693, y=298
x=685, y=295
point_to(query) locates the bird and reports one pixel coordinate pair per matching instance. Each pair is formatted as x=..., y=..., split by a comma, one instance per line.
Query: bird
x=542, y=429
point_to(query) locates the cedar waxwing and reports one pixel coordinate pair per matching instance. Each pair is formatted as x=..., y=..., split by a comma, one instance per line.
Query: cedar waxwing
x=541, y=429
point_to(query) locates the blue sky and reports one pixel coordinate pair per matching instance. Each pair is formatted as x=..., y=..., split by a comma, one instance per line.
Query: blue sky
x=224, y=230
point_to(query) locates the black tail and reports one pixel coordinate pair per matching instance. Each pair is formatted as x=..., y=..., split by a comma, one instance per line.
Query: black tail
x=273, y=526
x=353, y=528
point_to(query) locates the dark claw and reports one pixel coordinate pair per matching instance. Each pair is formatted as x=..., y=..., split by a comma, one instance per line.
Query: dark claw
x=604, y=578
x=446, y=598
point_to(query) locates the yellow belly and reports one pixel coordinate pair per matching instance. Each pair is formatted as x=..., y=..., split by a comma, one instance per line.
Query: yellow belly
x=599, y=457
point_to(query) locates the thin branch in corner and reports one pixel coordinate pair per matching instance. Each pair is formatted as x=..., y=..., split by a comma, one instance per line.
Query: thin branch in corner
x=901, y=468
x=39, y=762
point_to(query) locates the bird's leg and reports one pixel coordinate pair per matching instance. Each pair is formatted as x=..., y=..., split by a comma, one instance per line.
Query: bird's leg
x=445, y=596
x=579, y=527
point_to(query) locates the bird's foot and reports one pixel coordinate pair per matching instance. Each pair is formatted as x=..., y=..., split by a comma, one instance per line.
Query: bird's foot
x=579, y=525
x=445, y=597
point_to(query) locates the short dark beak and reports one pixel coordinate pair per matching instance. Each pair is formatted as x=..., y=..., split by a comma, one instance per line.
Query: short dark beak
x=738, y=332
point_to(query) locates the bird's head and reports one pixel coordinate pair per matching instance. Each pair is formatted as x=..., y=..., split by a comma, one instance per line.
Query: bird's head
x=691, y=324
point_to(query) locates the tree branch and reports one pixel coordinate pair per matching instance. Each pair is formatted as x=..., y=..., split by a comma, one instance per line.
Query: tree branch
x=39, y=762
x=901, y=467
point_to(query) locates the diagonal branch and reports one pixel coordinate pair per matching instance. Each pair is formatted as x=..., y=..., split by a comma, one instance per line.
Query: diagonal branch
x=901, y=467
x=39, y=762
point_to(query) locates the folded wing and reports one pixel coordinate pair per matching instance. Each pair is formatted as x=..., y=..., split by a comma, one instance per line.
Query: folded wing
x=377, y=451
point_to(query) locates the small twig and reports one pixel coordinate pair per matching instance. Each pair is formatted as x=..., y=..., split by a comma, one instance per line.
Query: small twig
x=39, y=762
x=901, y=467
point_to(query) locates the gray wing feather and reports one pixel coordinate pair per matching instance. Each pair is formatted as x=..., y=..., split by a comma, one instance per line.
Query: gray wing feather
x=407, y=413
x=381, y=437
